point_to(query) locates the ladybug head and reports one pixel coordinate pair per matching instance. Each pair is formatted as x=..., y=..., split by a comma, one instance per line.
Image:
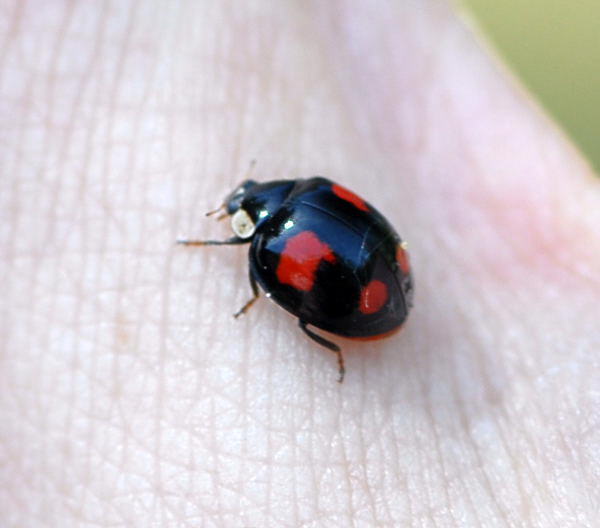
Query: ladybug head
x=252, y=203
x=234, y=200
x=241, y=223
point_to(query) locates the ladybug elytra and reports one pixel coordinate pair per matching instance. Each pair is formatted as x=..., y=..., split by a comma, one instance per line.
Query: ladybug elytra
x=322, y=253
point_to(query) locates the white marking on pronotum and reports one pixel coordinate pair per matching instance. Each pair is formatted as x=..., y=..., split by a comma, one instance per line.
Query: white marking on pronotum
x=242, y=224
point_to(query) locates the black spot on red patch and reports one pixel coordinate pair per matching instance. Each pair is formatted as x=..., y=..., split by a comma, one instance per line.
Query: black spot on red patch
x=300, y=259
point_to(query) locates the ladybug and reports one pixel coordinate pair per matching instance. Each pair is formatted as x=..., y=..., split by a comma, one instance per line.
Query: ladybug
x=322, y=253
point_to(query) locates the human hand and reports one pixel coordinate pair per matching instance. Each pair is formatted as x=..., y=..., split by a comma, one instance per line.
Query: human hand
x=128, y=394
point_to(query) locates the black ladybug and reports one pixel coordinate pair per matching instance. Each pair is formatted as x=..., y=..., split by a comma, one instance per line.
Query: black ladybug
x=324, y=254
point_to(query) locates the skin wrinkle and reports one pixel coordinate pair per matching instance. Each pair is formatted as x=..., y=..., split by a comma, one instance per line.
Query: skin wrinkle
x=488, y=485
x=162, y=354
x=484, y=374
x=8, y=245
x=456, y=385
x=364, y=470
x=547, y=419
x=12, y=243
x=122, y=340
x=462, y=402
x=503, y=417
x=55, y=190
x=108, y=131
x=295, y=488
x=430, y=471
x=347, y=461
x=40, y=372
x=311, y=426
x=436, y=444
x=97, y=55
x=401, y=478
x=385, y=473
x=389, y=476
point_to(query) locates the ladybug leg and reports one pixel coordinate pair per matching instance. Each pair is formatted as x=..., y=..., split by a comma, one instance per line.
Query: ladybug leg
x=215, y=211
x=327, y=344
x=229, y=242
x=256, y=293
x=218, y=210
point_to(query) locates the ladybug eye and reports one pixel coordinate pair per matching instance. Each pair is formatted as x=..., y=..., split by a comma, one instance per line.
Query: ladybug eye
x=242, y=224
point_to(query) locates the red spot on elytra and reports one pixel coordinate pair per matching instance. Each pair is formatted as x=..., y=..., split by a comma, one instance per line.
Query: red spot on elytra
x=300, y=259
x=373, y=297
x=349, y=196
x=402, y=259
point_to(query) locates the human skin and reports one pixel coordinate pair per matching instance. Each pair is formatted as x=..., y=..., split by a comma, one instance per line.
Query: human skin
x=129, y=396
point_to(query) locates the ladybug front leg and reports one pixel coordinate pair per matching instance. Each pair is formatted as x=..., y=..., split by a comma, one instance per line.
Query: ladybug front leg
x=229, y=242
x=256, y=293
x=327, y=344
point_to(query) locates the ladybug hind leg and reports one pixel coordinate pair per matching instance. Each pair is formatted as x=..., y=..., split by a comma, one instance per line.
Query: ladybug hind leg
x=327, y=344
x=256, y=294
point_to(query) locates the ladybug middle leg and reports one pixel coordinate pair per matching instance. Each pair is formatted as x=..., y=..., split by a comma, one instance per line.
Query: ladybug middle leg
x=229, y=242
x=256, y=295
x=327, y=344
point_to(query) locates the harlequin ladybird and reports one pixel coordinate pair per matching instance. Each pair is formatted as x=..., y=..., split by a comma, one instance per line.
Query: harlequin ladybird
x=322, y=253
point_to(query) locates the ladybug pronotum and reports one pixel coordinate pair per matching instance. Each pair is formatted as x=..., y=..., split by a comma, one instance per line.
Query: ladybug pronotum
x=322, y=253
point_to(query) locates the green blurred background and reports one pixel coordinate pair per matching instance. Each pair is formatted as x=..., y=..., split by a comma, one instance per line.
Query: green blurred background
x=554, y=46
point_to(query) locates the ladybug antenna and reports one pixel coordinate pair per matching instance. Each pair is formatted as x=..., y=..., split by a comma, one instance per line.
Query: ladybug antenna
x=250, y=169
x=220, y=208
